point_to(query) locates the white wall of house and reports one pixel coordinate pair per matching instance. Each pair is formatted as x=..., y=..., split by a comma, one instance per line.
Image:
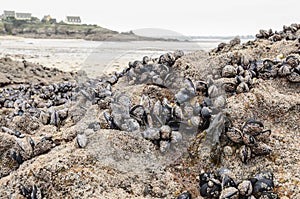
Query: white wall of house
x=73, y=20
x=23, y=16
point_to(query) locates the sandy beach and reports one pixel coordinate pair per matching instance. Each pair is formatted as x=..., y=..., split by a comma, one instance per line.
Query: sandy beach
x=92, y=56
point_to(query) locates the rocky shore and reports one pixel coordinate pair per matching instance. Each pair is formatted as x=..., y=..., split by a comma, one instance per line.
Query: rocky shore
x=218, y=124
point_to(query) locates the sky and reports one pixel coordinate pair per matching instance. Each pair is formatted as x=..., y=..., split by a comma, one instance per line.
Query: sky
x=186, y=17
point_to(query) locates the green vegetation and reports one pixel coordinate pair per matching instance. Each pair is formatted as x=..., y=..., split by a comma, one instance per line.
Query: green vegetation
x=49, y=28
x=42, y=29
x=13, y=26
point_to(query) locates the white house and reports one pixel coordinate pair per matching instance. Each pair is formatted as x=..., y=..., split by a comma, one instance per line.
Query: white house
x=7, y=14
x=23, y=16
x=73, y=20
x=16, y=15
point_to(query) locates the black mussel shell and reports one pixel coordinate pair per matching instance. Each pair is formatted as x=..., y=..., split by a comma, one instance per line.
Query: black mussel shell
x=206, y=112
x=228, y=182
x=229, y=87
x=248, y=139
x=252, y=126
x=253, y=180
x=268, y=64
x=136, y=64
x=25, y=191
x=292, y=60
x=205, y=177
x=109, y=120
x=175, y=125
x=235, y=135
x=265, y=175
x=20, y=112
x=264, y=135
x=137, y=111
x=16, y=156
x=210, y=192
x=201, y=87
x=34, y=192
x=146, y=59
x=204, y=190
x=261, y=148
x=245, y=153
x=185, y=195
x=207, y=102
x=263, y=185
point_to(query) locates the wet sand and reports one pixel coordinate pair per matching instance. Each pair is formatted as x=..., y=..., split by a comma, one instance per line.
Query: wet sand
x=94, y=57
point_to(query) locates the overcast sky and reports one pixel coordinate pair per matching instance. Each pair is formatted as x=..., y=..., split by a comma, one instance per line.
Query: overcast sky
x=188, y=17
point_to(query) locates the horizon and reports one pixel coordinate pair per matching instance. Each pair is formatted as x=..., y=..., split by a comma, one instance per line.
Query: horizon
x=214, y=18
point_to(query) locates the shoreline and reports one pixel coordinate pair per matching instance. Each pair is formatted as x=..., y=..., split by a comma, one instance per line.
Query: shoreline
x=112, y=38
x=94, y=56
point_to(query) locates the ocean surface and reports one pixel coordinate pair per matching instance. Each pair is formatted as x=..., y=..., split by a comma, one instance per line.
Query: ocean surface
x=93, y=56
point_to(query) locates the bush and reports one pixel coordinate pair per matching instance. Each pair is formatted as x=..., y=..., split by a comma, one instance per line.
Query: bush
x=35, y=19
x=8, y=27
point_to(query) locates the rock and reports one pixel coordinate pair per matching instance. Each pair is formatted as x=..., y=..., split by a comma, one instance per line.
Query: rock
x=4, y=80
x=118, y=163
x=81, y=140
x=7, y=163
x=26, y=124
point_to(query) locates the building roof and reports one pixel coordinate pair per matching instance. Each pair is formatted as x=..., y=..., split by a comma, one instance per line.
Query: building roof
x=9, y=13
x=23, y=15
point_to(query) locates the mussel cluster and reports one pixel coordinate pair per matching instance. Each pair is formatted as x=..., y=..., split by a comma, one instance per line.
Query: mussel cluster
x=154, y=71
x=25, y=108
x=58, y=94
x=288, y=33
x=251, y=139
x=224, y=47
x=24, y=149
x=240, y=77
x=168, y=121
x=119, y=116
x=43, y=102
x=222, y=185
x=97, y=91
x=162, y=121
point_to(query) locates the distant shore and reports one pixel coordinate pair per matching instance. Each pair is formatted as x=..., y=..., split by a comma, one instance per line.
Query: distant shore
x=39, y=30
x=95, y=37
